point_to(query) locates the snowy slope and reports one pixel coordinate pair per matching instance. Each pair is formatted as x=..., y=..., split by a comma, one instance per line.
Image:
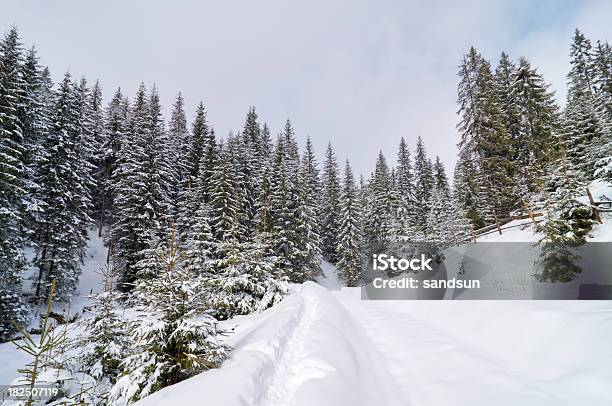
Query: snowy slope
x=321, y=347
x=89, y=282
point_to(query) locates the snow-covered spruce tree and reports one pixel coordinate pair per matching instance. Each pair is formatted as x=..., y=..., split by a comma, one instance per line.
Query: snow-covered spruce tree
x=484, y=136
x=582, y=72
x=404, y=189
x=245, y=279
x=252, y=136
x=350, y=241
x=64, y=197
x=379, y=214
x=602, y=80
x=176, y=144
x=199, y=245
x=568, y=220
x=264, y=218
x=504, y=81
x=265, y=141
x=424, y=181
x=113, y=132
x=140, y=184
x=439, y=228
x=405, y=175
x=247, y=167
x=441, y=211
x=34, y=117
x=92, y=113
x=566, y=226
x=538, y=114
x=282, y=208
x=175, y=336
x=291, y=212
x=190, y=194
x=89, y=110
x=291, y=149
x=586, y=138
x=104, y=343
x=159, y=162
x=586, y=132
x=330, y=205
x=307, y=210
x=468, y=191
x=12, y=183
x=440, y=178
x=225, y=203
x=207, y=166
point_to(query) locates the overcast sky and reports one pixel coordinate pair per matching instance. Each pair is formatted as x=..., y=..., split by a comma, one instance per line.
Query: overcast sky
x=360, y=74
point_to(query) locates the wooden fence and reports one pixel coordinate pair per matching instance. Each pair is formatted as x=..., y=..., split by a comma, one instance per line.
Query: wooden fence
x=599, y=206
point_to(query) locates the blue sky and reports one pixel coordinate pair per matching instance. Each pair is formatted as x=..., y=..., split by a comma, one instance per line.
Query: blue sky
x=360, y=74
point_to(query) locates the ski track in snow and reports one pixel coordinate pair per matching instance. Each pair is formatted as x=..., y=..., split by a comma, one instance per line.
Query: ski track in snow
x=289, y=370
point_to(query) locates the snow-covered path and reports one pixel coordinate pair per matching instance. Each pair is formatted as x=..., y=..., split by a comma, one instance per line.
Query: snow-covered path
x=289, y=371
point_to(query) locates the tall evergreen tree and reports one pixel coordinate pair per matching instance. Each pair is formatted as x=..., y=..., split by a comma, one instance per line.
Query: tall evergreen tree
x=424, y=181
x=380, y=205
x=440, y=178
x=468, y=191
x=140, y=179
x=582, y=72
x=113, y=134
x=538, y=127
x=308, y=209
x=13, y=181
x=505, y=77
x=405, y=176
x=330, y=205
x=64, y=197
x=191, y=195
x=350, y=263
x=224, y=203
x=282, y=205
x=176, y=151
x=586, y=130
x=483, y=131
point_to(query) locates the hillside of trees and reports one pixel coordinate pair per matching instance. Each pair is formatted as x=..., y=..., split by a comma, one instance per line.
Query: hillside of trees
x=237, y=216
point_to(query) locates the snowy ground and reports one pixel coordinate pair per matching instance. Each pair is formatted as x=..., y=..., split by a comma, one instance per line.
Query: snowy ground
x=327, y=347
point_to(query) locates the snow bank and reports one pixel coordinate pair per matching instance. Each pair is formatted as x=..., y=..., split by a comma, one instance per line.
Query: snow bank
x=305, y=351
x=482, y=353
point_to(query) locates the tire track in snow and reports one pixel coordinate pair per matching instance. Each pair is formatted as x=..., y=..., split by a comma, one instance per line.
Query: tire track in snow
x=286, y=378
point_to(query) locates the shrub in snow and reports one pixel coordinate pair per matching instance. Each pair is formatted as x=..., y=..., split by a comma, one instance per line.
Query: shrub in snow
x=101, y=343
x=568, y=220
x=245, y=280
x=173, y=336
